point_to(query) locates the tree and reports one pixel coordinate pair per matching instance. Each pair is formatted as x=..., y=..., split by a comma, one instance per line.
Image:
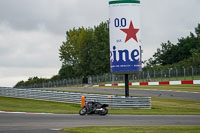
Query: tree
x=55, y=78
x=100, y=50
x=85, y=52
x=67, y=72
x=19, y=84
x=164, y=55
x=184, y=49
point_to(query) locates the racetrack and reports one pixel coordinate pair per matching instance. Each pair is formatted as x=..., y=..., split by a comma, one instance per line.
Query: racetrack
x=140, y=92
x=48, y=123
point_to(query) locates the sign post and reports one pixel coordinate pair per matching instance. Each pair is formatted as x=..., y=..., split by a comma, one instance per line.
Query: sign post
x=126, y=86
x=125, y=39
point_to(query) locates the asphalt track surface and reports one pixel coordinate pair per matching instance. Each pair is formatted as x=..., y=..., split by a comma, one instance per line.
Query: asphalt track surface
x=50, y=123
x=139, y=92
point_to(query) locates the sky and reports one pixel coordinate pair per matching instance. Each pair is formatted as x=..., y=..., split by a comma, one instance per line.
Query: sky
x=31, y=31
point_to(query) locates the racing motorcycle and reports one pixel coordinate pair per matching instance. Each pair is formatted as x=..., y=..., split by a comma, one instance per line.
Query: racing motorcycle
x=94, y=108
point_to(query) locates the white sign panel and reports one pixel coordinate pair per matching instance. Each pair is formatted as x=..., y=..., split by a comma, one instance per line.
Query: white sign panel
x=125, y=39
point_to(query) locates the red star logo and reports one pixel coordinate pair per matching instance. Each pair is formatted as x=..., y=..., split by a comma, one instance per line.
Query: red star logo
x=131, y=32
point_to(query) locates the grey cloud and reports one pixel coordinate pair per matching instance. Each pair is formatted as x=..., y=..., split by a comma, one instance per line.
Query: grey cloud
x=167, y=20
x=56, y=15
x=31, y=31
x=30, y=14
x=29, y=49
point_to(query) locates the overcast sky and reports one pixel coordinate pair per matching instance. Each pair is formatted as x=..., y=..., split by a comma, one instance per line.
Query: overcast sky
x=31, y=31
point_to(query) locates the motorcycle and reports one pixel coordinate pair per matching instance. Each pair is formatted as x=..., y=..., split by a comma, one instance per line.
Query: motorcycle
x=94, y=108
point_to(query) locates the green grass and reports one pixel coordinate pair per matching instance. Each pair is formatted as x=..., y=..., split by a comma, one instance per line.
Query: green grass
x=24, y=105
x=134, y=129
x=160, y=106
x=189, y=88
x=77, y=91
x=164, y=106
x=171, y=78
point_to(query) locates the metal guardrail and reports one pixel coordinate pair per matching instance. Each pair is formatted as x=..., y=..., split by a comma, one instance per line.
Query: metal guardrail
x=71, y=97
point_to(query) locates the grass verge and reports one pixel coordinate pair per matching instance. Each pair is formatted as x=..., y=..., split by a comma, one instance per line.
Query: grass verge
x=135, y=129
x=27, y=105
x=160, y=106
x=164, y=106
x=189, y=88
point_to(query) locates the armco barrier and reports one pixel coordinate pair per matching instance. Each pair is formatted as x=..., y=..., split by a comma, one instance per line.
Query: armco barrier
x=71, y=97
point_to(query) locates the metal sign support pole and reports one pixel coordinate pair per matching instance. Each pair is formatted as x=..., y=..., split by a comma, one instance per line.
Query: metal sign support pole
x=126, y=86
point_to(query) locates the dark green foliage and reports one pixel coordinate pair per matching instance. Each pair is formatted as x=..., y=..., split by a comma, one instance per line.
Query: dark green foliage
x=36, y=80
x=19, y=84
x=185, y=52
x=55, y=78
x=100, y=51
x=85, y=52
x=67, y=71
x=31, y=81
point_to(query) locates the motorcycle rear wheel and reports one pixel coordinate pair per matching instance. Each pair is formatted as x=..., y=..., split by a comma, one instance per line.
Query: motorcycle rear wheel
x=83, y=111
x=104, y=111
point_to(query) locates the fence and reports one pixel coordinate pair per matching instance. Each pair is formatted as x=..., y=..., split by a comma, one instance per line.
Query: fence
x=70, y=97
x=169, y=74
x=76, y=82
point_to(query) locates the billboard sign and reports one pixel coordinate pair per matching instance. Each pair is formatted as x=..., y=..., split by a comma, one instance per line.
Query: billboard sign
x=125, y=39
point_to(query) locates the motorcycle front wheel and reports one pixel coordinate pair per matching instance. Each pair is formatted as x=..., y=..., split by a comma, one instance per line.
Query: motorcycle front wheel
x=83, y=111
x=104, y=111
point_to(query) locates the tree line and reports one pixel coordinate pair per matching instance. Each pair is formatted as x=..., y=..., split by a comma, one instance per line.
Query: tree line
x=86, y=52
x=185, y=53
